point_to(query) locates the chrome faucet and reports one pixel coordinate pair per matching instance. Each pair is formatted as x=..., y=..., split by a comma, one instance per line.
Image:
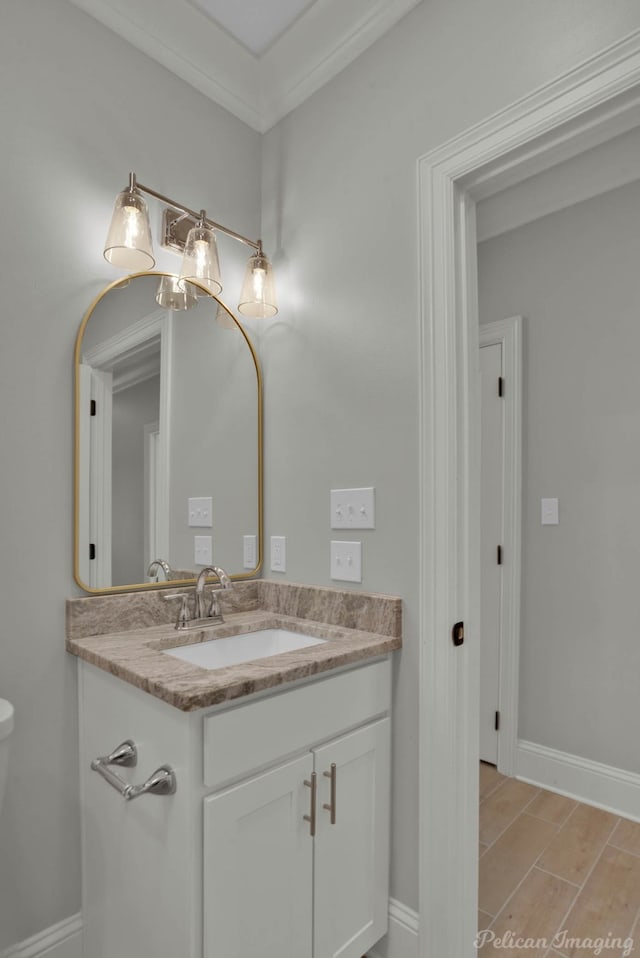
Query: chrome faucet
x=201, y=617
x=213, y=611
x=159, y=564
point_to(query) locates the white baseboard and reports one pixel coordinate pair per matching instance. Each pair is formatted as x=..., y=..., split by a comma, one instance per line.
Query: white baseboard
x=63, y=940
x=612, y=789
x=401, y=940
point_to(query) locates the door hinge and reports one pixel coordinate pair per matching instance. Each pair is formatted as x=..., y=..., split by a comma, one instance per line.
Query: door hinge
x=500, y=386
x=497, y=722
x=499, y=555
x=92, y=407
x=92, y=550
x=457, y=633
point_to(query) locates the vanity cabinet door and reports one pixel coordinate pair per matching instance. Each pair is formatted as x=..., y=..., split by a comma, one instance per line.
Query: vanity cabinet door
x=258, y=866
x=351, y=867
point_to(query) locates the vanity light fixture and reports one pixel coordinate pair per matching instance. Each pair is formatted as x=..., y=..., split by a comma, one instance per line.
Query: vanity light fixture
x=129, y=246
x=200, y=260
x=174, y=295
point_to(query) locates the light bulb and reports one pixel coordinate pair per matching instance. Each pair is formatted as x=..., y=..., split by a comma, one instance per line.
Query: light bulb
x=200, y=261
x=129, y=239
x=258, y=297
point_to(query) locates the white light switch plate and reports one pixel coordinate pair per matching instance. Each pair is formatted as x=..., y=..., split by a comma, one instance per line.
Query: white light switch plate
x=278, y=554
x=202, y=550
x=353, y=508
x=249, y=552
x=201, y=512
x=346, y=561
x=549, y=511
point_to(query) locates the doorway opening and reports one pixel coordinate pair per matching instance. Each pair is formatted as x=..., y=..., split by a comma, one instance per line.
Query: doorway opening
x=501, y=521
x=593, y=103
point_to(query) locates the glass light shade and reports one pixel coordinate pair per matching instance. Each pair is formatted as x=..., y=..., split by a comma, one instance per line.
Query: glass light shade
x=258, y=296
x=200, y=261
x=129, y=243
x=172, y=295
x=223, y=318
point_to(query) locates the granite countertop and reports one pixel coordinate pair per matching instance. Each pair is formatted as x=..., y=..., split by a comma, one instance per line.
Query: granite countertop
x=135, y=654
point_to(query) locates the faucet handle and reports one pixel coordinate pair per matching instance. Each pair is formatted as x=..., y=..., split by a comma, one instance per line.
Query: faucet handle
x=214, y=605
x=183, y=615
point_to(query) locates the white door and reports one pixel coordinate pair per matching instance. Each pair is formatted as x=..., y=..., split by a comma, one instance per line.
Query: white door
x=258, y=866
x=351, y=868
x=491, y=548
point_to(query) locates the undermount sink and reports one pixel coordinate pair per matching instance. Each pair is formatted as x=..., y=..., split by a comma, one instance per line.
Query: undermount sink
x=218, y=653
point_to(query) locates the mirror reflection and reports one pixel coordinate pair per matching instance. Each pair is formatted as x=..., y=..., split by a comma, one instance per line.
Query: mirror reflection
x=168, y=410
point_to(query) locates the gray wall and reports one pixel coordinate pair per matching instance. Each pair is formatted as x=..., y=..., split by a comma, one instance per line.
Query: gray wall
x=79, y=108
x=574, y=277
x=341, y=361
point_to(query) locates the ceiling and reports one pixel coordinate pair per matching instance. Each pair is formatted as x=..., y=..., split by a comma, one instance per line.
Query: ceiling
x=255, y=23
x=257, y=58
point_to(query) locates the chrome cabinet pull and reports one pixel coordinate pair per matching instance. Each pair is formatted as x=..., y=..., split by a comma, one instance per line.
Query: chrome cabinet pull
x=311, y=817
x=161, y=782
x=331, y=807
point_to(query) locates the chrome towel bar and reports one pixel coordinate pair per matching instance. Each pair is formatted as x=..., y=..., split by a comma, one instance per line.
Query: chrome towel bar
x=161, y=782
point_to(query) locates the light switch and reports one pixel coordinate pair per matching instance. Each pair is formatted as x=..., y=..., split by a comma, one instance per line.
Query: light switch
x=346, y=561
x=249, y=552
x=550, y=512
x=202, y=550
x=353, y=508
x=278, y=554
x=201, y=512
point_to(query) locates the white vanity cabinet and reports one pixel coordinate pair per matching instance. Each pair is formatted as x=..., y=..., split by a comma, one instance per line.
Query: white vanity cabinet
x=329, y=877
x=238, y=862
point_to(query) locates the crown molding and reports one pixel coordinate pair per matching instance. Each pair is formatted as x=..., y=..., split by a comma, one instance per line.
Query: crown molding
x=177, y=35
x=257, y=90
x=317, y=46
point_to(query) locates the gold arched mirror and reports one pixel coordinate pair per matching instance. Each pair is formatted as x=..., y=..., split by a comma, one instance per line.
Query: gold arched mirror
x=168, y=408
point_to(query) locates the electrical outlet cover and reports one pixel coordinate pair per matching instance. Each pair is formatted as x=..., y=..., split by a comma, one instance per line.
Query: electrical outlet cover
x=201, y=512
x=278, y=554
x=249, y=552
x=202, y=550
x=353, y=508
x=346, y=561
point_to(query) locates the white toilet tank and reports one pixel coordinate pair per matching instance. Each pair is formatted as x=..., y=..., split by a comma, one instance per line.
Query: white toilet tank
x=6, y=728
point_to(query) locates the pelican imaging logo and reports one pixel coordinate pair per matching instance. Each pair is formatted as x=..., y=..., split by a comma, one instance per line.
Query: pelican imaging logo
x=561, y=940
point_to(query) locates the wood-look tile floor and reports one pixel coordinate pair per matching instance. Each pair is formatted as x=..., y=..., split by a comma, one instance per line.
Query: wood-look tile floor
x=561, y=876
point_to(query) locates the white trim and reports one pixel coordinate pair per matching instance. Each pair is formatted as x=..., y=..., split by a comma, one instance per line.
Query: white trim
x=449, y=562
x=163, y=450
x=132, y=341
x=613, y=789
x=63, y=940
x=127, y=343
x=259, y=90
x=191, y=46
x=508, y=334
x=401, y=941
x=151, y=477
x=84, y=472
x=147, y=367
x=603, y=168
x=586, y=106
x=317, y=46
x=101, y=480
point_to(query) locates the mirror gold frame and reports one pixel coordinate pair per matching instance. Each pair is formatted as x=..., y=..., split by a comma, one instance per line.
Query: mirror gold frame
x=172, y=583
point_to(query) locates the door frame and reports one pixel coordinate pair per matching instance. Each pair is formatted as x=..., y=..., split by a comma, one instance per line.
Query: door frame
x=507, y=333
x=134, y=341
x=589, y=105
